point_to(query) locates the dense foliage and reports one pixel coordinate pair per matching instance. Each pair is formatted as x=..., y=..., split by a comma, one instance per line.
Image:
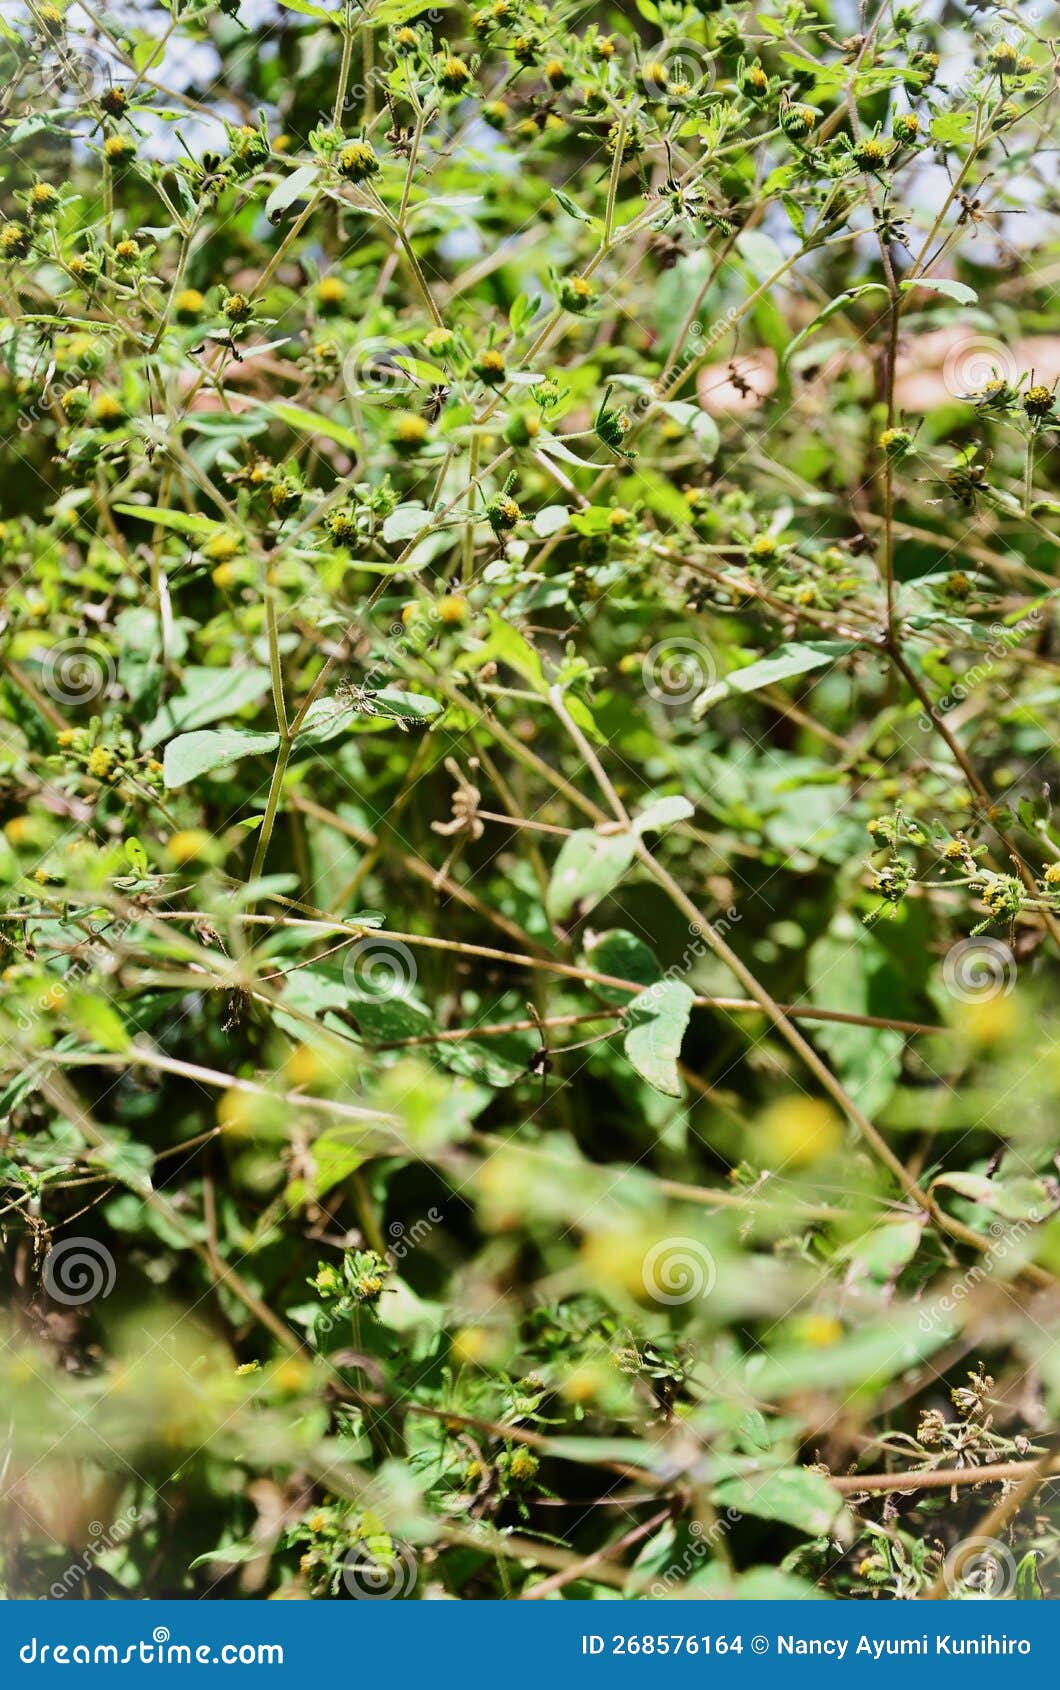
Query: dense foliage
x=530, y=900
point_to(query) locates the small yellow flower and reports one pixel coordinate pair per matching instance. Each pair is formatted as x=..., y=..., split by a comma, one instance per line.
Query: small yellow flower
x=357, y=162
x=188, y=845
x=820, y=1331
x=42, y=197
x=452, y=609
x=107, y=411
x=235, y=1111
x=470, y=1345
x=490, y=367
x=798, y=1131
x=304, y=1066
x=522, y=1466
x=100, y=762
x=188, y=305
x=454, y=75
x=331, y=291
x=292, y=1375
x=14, y=240
x=411, y=431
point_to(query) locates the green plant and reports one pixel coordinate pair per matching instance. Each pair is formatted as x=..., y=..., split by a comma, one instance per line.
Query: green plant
x=530, y=890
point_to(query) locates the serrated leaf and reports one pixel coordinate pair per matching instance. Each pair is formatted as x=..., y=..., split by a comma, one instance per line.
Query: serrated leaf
x=793, y=1495
x=208, y=695
x=194, y=754
x=507, y=645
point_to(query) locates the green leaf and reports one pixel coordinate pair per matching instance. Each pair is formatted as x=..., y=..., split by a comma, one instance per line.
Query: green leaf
x=297, y=186
x=588, y=867
x=570, y=208
x=308, y=11
x=663, y=813
x=1013, y=1199
x=1028, y=1585
x=190, y=755
x=699, y=423
x=136, y=856
x=310, y=422
x=622, y=954
x=882, y=1253
x=657, y=1022
x=793, y=1495
x=551, y=520
x=336, y=1154
x=796, y=658
x=757, y=1584
x=849, y=968
x=840, y=303
x=392, y=13
x=233, y=1554
x=405, y=522
x=877, y=1352
x=507, y=645
x=960, y=291
x=182, y=522
x=324, y=721
x=208, y=695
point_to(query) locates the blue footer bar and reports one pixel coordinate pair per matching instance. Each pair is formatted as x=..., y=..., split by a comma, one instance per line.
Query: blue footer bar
x=530, y=1644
